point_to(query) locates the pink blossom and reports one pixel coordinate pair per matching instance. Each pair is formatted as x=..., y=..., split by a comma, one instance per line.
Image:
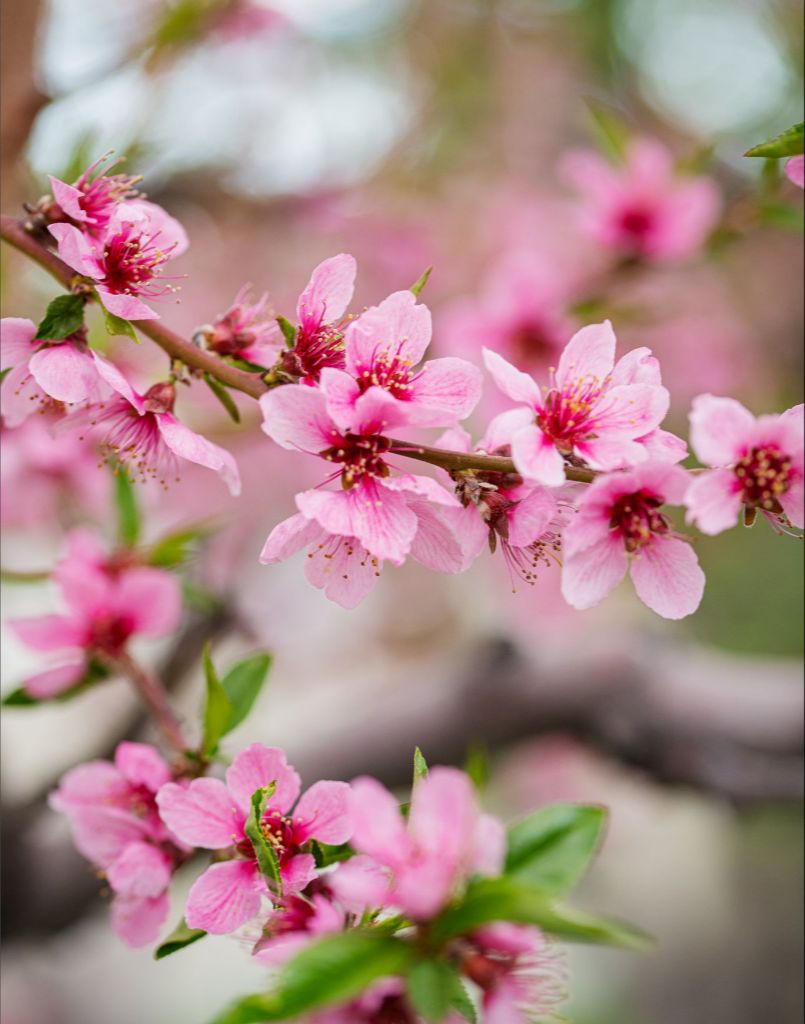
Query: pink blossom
x=795, y=170
x=113, y=816
x=417, y=866
x=248, y=331
x=620, y=527
x=757, y=465
x=246, y=19
x=291, y=926
x=383, y=1002
x=126, y=263
x=212, y=815
x=141, y=432
x=643, y=208
x=520, y=974
x=321, y=312
x=45, y=374
x=597, y=410
x=382, y=350
x=109, y=602
x=92, y=200
x=371, y=505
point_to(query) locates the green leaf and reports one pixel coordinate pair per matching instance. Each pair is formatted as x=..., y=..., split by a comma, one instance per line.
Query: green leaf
x=118, y=327
x=264, y=851
x=461, y=1002
x=509, y=899
x=217, y=708
x=326, y=854
x=20, y=698
x=610, y=131
x=419, y=284
x=553, y=848
x=420, y=766
x=128, y=512
x=63, y=317
x=288, y=331
x=173, y=549
x=330, y=971
x=476, y=765
x=243, y=683
x=791, y=142
x=223, y=396
x=179, y=938
x=4, y=373
x=434, y=988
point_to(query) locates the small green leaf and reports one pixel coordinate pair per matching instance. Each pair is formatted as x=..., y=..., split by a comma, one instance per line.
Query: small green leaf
x=288, y=331
x=217, y=708
x=20, y=698
x=328, y=972
x=223, y=396
x=63, y=317
x=553, y=847
x=264, y=851
x=610, y=131
x=419, y=284
x=179, y=938
x=326, y=854
x=508, y=899
x=476, y=765
x=242, y=685
x=4, y=373
x=791, y=142
x=118, y=327
x=420, y=766
x=128, y=512
x=460, y=1001
x=173, y=549
x=431, y=989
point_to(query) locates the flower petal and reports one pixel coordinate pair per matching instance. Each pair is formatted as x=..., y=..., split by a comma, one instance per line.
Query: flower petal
x=226, y=896
x=530, y=517
x=445, y=390
x=719, y=429
x=65, y=374
x=667, y=577
x=16, y=340
x=378, y=828
x=138, y=921
x=54, y=681
x=142, y=765
x=258, y=766
x=714, y=501
x=324, y=812
x=201, y=813
x=76, y=250
x=328, y=292
x=189, y=445
x=140, y=871
x=536, y=457
x=288, y=537
x=150, y=599
x=518, y=386
x=399, y=326
x=296, y=417
x=589, y=575
x=49, y=632
x=589, y=355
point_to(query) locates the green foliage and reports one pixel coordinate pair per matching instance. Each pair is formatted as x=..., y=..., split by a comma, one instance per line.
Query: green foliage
x=223, y=396
x=288, y=331
x=421, y=281
x=181, y=937
x=20, y=698
x=609, y=130
x=128, y=512
x=420, y=766
x=173, y=549
x=791, y=142
x=330, y=971
x=434, y=989
x=64, y=316
x=476, y=765
x=118, y=327
x=263, y=850
x=553, y=847
x=230, y=699
x=217, y=708
x=509, y=899
x=182, y=23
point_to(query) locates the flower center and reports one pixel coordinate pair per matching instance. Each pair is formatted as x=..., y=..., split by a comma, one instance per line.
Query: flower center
x=278, y=832
x=388, y=371
x=360, y=455
x=637, y=518
x=314, y=349
x=131, y=261
x=393, y=1010
x=566, y=414
x=764, y=474
x=636, y=223
x=109, y=633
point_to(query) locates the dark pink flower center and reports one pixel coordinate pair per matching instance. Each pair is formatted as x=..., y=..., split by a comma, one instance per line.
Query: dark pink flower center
x=485, y=970
x=110, y=633
x=131, y=261
x=393, y=1010
x=361, y=456
x=280, y=833
x=764, y=475
x=637, y=223
x=134, y=441
x=317, y=345
x=389, y=371
x=102, y=195
x=636, y=517
x=567, y=415
x=296, y=916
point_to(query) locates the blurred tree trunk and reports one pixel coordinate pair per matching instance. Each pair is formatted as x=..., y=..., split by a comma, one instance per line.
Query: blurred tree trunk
x=20, y=99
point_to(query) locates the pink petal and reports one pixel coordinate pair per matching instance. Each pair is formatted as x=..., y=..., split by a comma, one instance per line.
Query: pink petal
x=298, y=872
x=663, y=445
x=422, y=486
x=258, y=766
x=54, y=681
x=437, y=545
x=399, y=325
x=589, y=355
x=342, y=568
x=488, y=846
x=65, y=374
x=590, y=173
x=631, y=409
x=76, y=250
x=342, y=392
x=140, y=871
x=96, y=782
x=360, y=884
x=444, y=390
x=189, y=445
x=719, y=429
x=21, y=395
x=714, y=501
x=503, y=427
x=296, y=417
x=166, y=232
x=324, y=812
x=518, y=386
x=151, y=599
x=536, y=457
x=288, y=537
x=279, y=950
x=457, y=439
x=202, y=813
x=793, y=502
x=667, y=577
x=328, y=292
x=587, y=577
x=688, y=215
x=142, y=765
x=377, y=410
x=530, y=517
x=613, y=452
x=127, y=307
x=115, y=379
x=69, y=199
x=795, y=170
x=378, y=828
x=637, y=367
x=138, y=921
x=16, y=340
x=101, y=833
x=444, y=813
x=423, y=886
x=226, y=896
x=49, y=632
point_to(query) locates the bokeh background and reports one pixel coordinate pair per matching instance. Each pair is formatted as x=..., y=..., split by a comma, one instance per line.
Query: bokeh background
x=414, y=134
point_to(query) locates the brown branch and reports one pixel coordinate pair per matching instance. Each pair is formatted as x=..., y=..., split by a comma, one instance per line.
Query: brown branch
x=155, y=698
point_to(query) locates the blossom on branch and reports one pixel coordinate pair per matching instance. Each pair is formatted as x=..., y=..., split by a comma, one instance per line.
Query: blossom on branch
x=248, y=331
x=90, y=202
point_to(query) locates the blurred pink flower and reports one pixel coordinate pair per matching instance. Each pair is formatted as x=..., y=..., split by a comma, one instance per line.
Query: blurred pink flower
x=92, y=200
x=417, y=865
x=44, y=373
x=211, y=815
x=383, y=1001
x=595, y=409
x=795, y=170
x=113, y=816
x=126, y=262
x=246, y=19
x=291, y=926
x=247, y=331
x=757, y=464
x=620, y=528
x=109, y=602
x=643, y=208
x=382, y=349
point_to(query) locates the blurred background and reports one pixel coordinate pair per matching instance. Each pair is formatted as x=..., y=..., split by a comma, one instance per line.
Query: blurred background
x=413, y=134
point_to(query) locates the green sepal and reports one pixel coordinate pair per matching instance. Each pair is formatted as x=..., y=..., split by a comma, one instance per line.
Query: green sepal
x=63, y=317
x=421, y=281
x=128, y=511
x=181, y=937
x=288, y=331
x=118, y=327
x=223, y=396
x=266, y=856
x=791, y=142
